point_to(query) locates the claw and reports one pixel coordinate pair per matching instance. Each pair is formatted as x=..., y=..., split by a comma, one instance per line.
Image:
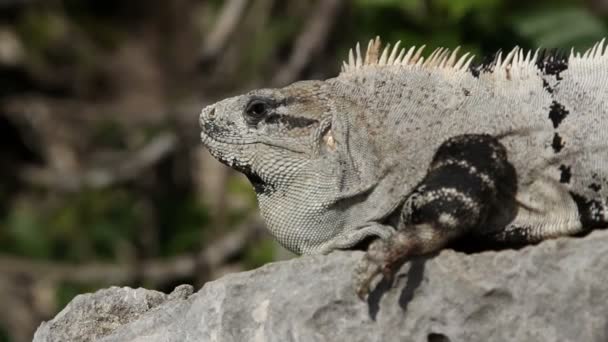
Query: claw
x=363, y=290
x=387, y=272
x=365, y=273
x=382, y=257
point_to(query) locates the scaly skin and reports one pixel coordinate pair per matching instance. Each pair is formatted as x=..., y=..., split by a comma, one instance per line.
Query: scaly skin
x=412, y=154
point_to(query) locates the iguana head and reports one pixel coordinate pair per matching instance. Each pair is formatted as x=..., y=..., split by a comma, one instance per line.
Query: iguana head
x=281, y=139
x=268, y=134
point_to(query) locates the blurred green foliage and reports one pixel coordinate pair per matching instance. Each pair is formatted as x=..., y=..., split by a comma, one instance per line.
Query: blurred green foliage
x=560, y=27
x=4, y=337
x=88, y=225
x=481, y=26
x=67, y=291
x=259, y=255
x=183, y=220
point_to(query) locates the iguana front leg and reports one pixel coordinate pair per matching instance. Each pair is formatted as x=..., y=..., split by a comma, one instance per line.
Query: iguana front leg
x=459, y=191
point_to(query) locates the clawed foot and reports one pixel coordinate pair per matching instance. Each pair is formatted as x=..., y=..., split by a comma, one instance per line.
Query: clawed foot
x=365, y=273
x=382, y=257
x=385, y=256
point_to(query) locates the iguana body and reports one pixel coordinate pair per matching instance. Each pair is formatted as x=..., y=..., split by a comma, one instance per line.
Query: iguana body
x=419, y=152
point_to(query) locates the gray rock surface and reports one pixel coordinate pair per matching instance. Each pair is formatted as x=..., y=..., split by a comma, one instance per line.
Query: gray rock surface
x=556, y=291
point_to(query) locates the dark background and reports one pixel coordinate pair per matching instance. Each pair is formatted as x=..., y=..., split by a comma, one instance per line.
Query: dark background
x=103, y=179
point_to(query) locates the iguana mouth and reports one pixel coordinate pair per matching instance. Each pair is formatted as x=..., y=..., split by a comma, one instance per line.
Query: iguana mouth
x=253, y=177
x=215, y=147
x=212, y=134
x=259, y=184
x=212, y=142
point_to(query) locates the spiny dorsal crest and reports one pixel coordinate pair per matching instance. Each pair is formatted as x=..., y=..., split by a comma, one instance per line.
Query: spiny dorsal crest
x=442, y=58
x=376, y=56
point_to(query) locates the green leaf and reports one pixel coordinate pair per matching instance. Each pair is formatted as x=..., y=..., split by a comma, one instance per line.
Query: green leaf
x=405, y=4
x=560, y=27
x=27, y=233
x=4, y=335
x=260, y=254
x=457, y=9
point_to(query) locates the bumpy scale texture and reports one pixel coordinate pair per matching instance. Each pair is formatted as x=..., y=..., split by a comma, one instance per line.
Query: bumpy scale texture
x=407, y=154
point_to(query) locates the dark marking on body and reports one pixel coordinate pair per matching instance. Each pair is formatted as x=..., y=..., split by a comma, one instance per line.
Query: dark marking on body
x=517, y=235
x=557, y=113
x=552, y=62
x=454, y=184
x=486, y=65
x=591, y=212
x=595, y=187
x=475, y=70
x=291, y=121
x=557, y=144
x=215, y=130
x=566, y=174
x=466, y=92
x=483, y=151
x=547, y=87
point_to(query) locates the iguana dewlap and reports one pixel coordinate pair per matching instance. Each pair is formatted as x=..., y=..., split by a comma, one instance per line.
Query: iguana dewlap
x=408, y=153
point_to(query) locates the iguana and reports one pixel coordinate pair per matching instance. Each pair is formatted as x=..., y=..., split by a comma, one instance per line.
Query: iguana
x=403, y=155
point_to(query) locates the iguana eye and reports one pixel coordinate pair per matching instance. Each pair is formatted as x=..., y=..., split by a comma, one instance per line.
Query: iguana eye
x=257, y=109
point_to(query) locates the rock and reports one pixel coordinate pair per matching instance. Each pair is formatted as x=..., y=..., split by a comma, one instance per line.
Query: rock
x=555, y=291
x=91, y=316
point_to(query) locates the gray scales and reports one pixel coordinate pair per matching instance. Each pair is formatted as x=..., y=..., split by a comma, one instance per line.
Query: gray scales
x=403, y=155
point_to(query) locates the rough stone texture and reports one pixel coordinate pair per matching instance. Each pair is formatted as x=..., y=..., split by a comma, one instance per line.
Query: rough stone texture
x=92, y=316
x=556, y=291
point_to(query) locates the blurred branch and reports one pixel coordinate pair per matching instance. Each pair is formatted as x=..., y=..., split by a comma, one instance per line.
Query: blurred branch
x=219, y=218
x=153, y=270
x=21, y=319
x=130, y=168
x=312, y=39
x=227, y=23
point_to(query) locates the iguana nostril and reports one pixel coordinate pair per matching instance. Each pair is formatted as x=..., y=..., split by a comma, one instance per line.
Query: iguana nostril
x=211, y=114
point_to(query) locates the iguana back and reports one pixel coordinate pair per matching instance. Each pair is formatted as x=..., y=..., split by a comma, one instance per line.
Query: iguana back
x=550, y=112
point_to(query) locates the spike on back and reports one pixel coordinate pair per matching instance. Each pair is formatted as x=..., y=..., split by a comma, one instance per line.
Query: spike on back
x=376, y=55
x=598, y=50
x=441, y=58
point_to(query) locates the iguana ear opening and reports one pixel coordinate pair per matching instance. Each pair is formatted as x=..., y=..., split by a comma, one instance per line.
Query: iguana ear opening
x=329, y=141
x=324, y=141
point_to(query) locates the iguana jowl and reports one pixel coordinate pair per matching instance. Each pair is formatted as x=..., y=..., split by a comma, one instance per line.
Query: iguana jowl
x=404, y=154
